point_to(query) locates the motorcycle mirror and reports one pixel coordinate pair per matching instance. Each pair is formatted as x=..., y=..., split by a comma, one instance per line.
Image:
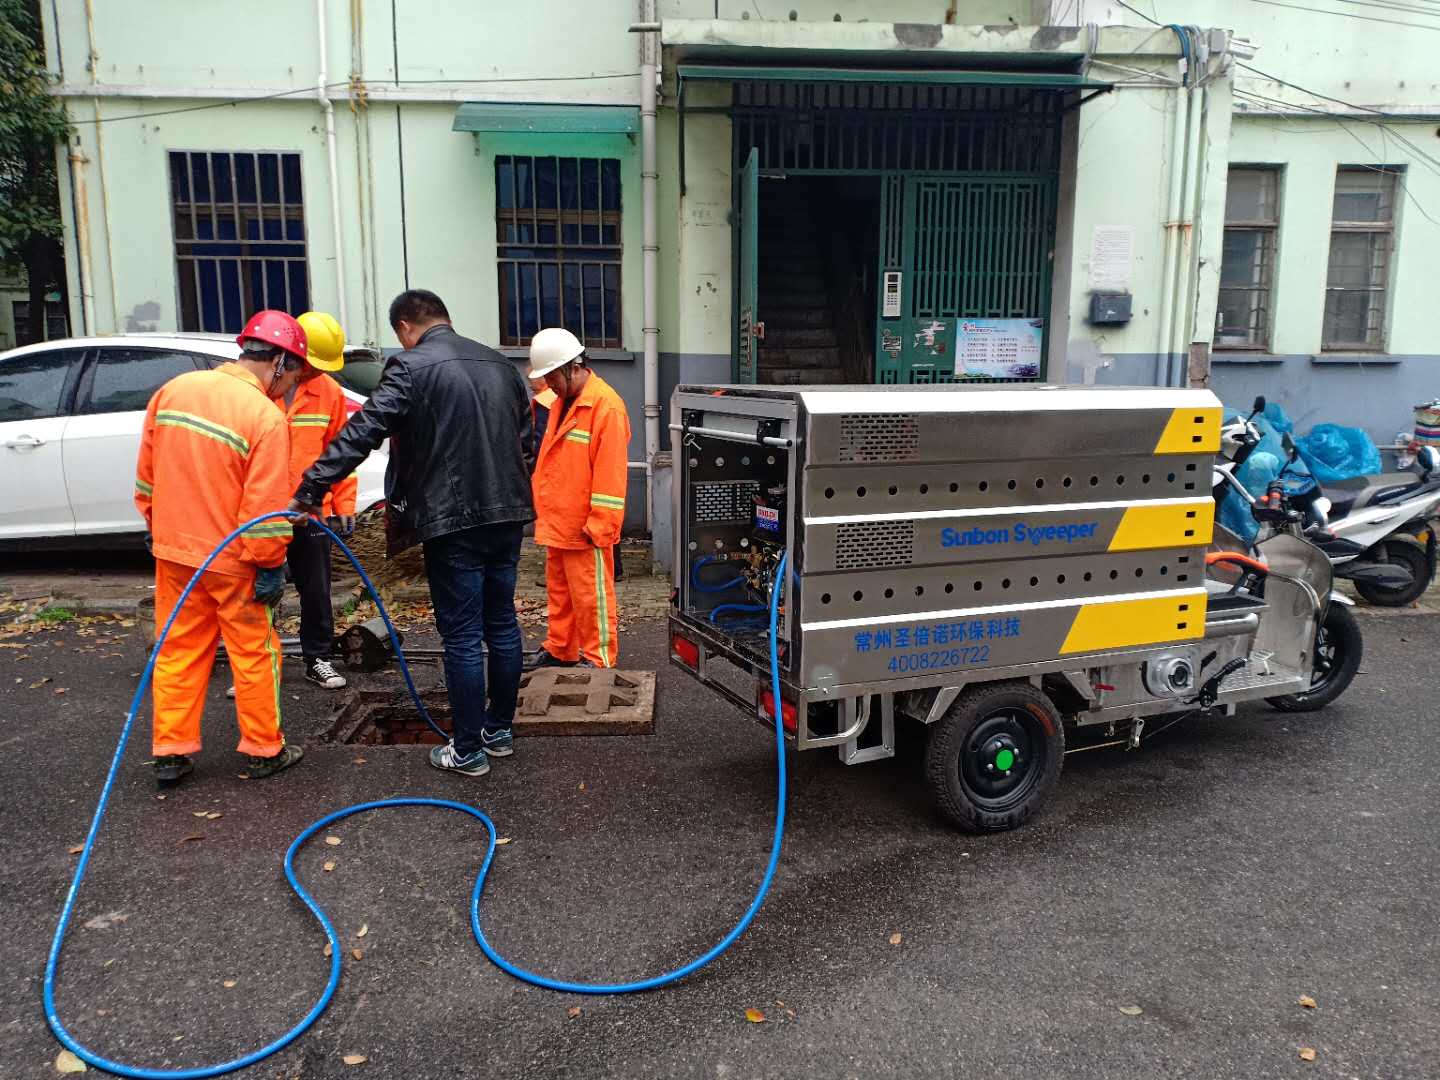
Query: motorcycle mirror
x=1259, y=405
x=1289, y=444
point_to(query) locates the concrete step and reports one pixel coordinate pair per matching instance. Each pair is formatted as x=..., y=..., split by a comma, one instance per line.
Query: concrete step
x=799, y=357
x=793, y=337
x=787, y=318
x=782, y=376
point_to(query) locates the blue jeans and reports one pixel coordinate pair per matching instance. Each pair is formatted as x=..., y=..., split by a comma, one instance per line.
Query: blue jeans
x=472, y=585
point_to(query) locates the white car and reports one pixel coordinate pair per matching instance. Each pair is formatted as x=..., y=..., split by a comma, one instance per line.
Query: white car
x=70, y=418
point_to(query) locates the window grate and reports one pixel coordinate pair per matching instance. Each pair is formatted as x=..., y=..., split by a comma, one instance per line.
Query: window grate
x=557, y=227
x=872, y=544
x=1252, y=217
x=879, y=438
x=1361, y=241
x=239, y=223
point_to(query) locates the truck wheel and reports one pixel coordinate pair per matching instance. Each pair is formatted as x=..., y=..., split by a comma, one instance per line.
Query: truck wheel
x=1338, y=651
x=995, y=756
x=1413, y=559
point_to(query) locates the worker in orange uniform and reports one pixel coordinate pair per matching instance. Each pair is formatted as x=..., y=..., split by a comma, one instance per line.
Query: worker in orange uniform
x=316, y=412
x=579, y=488
x=215, y=453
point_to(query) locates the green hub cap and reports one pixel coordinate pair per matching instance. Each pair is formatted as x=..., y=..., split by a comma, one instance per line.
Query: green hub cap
x=1005, y=759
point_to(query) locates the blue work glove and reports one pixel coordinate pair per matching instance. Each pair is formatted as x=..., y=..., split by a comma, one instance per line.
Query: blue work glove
x=270, y=584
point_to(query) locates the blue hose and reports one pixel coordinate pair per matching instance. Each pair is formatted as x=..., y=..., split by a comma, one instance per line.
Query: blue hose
x=719, y=587
x=747, y=609
x=119, y=1069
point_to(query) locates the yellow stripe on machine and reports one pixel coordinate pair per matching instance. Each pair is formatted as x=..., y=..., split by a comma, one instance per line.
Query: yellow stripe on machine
x=1165, y=526
x=1191, y=431
x=1150, y=620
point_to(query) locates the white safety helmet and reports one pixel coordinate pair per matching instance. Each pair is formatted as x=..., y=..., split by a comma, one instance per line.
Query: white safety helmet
x=552, y=348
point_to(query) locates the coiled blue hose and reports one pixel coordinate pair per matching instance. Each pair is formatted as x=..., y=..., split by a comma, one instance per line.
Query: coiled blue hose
x=718, y=587
x=52, y=964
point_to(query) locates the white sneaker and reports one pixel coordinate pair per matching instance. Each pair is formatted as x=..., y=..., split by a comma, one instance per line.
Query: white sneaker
x=322, y=674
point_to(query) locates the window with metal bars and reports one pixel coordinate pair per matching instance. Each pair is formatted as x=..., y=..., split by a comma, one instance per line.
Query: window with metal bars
x=1362, y=236
x=239, y=221
x=557, y=228
x=1252, y=218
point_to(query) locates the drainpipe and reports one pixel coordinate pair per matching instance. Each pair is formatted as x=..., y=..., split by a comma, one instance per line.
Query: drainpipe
x=1187, y=258
x=94, y=60
x=324, y=98
x=649, y=47
x=1173, y=245
x=78, y=161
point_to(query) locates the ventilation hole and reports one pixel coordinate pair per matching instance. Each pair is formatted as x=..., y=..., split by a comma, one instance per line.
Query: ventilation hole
x=889, y=594
x=1183, y=559
x=1189, y=533
x=829, y=493
x=954, y=488
x=1182, y=577
x=1039, y=481
x=978, y=586
x=1011, y=485
x=1114, y=574
x=825, y=598
x=1120, y=481
x=1164, y=571
x=1139, y=571
x=871, y=544
x=879, y=438
x=1005, y=583
x=1145, y=479
x=1189, y=513
x=984, y=485
x=924, y=489
x=1094, y=481
x=949, y=588
x=1066, y=482
x=1059, y=579
x=1189, y=487
x=1034, y=581
x=894, y=490
x=1170, y=479
x=1184, y=607
x=1088, y=575
x=1189, y=468
x=1181, y=626
x=919, y=590
x=857, y=596
x=860, y=493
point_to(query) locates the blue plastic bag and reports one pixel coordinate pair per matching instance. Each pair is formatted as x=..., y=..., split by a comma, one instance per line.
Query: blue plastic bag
x=1334, y=452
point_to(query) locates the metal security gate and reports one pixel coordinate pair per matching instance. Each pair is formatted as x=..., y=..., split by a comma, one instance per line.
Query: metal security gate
x=965, y=271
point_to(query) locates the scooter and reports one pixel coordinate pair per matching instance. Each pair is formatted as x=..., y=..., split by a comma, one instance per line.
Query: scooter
x=1375, y=530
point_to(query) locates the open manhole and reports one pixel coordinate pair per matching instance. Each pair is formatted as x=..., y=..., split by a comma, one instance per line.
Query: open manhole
x=553, y=701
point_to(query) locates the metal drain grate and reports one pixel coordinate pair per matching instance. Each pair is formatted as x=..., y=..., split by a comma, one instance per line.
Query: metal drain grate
x=872, y=544
x=725, y=502
x=872, y=438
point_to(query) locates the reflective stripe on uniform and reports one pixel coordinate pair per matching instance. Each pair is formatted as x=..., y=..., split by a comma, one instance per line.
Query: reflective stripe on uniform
x=200, y=426
x=610, y=502
x=144, y=488
x=602, y=608
x=310, y=420
x=270, y=528
x=577, y=436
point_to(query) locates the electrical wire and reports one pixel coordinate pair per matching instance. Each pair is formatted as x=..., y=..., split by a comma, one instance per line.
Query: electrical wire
x=1343, y=14
x=52, y=963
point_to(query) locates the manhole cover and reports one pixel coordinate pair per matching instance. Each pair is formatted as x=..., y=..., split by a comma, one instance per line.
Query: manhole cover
x=554, y=701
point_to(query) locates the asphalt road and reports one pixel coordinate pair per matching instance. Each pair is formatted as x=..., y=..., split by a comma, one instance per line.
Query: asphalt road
x=1211, y=879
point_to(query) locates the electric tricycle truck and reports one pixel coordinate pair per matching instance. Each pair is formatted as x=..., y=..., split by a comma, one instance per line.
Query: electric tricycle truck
x=1011, y=565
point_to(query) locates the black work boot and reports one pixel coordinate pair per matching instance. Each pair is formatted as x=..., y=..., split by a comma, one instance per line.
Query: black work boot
x=540, y=658
x=261, y=767
x=169, y=768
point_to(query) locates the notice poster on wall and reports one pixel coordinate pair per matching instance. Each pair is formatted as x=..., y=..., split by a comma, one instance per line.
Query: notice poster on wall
x=998, y=348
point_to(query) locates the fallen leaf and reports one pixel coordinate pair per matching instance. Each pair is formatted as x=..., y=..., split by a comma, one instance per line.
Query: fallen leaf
x=198, y=813
x=364, y=929
x=229, y=984
x=106, y=921
x=357, y=954
x=327, y=950
x=357, y=761
x=161, y=798
x=102, y=1012
x=242, y=776
x=192, y=836
x=328, y=867
x=1307, y=1054
x=333, y=841
x=61, y=690
x=42, y=682
x=755, y=1016
x=503, y=840
x=76, y=849
x=1131, y=1010
x=573, y=1012
x=895, y=939
x=582, y=785
x=66, y=1062
x=1307, y=1002
x=213, y=815
x=355, y=1059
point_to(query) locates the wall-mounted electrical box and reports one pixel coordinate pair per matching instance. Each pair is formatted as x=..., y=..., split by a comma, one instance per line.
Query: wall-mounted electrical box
x=1110, y=308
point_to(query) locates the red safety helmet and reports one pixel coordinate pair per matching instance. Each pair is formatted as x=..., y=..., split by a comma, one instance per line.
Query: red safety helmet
x=278, y=329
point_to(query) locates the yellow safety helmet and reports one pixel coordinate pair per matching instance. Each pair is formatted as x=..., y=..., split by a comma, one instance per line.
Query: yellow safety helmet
x=325, y=341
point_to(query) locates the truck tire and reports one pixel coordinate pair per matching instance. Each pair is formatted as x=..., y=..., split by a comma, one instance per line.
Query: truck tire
x=1415, y=560
x=994, y=758
x=1339, y=649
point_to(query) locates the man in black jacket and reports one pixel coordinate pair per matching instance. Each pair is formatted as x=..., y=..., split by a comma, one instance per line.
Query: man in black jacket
x=458, y=482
